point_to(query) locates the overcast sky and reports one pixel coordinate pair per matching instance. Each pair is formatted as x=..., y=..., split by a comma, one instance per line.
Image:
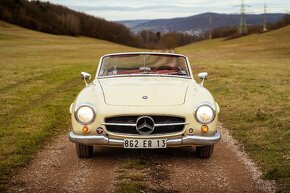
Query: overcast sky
x=153, y=9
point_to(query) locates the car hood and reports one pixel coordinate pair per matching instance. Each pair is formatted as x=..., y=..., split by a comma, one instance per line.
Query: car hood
x=144, y=91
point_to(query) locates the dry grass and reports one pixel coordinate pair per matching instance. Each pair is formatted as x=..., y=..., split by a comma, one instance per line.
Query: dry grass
x=39, y=78
x=250, y=78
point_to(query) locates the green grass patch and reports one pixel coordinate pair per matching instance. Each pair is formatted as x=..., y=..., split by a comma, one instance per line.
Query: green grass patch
x=130, y=176
x=39, y=79
x=129, y=187
x=250, y=79
x=134, y=163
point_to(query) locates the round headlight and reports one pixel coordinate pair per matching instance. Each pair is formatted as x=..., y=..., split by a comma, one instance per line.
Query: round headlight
x=85, y=115
x=204, y=114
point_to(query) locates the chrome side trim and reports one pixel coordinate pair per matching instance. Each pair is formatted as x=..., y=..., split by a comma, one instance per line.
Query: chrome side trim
x=189, y=140
x=121, y=124
x=170, y=124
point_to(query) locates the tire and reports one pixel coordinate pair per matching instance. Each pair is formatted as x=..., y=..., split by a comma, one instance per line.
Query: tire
x=204, y=151
x=84, y=151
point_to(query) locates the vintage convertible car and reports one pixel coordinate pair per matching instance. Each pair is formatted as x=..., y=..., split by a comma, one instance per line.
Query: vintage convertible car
x=144, y=100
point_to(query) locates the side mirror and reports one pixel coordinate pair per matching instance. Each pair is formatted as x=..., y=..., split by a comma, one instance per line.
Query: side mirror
x=202, y=76
x=86, y=76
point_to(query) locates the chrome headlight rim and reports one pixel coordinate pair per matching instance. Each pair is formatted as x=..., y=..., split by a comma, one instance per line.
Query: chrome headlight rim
x=213, y=111
x=85, y=105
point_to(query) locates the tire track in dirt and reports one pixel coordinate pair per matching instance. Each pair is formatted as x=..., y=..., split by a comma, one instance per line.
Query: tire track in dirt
x=57, y=169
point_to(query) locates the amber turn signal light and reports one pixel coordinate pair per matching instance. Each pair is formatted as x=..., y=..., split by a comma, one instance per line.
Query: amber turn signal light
x=85, y=129
x=204, y=128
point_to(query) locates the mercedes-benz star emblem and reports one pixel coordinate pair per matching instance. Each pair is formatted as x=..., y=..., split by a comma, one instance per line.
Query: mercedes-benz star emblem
x=145, y=125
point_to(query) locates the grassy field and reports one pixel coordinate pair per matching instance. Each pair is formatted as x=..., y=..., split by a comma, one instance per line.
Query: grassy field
x=250, y=78
x=39, y=78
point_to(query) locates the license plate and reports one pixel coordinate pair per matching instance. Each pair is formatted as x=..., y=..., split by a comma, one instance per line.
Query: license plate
x=145, y=143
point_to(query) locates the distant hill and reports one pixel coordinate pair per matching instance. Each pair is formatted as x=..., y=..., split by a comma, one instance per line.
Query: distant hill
x=133, y=23
x=198, y=23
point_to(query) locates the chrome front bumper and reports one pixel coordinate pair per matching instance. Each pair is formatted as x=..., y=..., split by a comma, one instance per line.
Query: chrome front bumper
x=175, y=142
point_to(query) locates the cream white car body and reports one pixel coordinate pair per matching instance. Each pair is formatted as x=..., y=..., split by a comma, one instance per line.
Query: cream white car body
x=144, y=96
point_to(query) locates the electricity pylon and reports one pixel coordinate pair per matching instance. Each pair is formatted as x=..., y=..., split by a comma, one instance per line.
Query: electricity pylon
x=265, y=18
x=243, y=24
x=210, y=28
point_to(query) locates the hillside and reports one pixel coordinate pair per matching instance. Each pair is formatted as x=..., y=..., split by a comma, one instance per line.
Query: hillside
x=250, y=78
x=39, y=79
x=57, y=19
x=197, y=23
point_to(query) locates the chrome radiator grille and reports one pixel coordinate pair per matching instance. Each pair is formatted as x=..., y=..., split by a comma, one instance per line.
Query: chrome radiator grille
x=160, y=124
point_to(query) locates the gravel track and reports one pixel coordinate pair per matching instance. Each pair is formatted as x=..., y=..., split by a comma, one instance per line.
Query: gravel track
x=57, y=169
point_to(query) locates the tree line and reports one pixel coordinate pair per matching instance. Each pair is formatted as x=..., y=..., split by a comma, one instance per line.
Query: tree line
x=170, y=40
x=57, y=19
x=60, y=20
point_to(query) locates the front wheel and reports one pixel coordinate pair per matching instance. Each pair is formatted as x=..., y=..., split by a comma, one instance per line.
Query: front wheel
x=204, y=151
x=84, y=151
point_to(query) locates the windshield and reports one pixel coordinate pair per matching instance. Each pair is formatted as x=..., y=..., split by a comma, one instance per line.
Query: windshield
x=144, y=64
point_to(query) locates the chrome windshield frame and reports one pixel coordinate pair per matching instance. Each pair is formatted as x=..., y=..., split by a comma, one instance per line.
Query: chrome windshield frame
x=189, y=76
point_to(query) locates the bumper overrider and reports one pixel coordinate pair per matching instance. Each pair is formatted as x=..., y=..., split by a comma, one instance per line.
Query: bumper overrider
x=189, y=140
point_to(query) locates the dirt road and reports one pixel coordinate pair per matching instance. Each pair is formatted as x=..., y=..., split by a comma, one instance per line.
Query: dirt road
x=57, y=169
